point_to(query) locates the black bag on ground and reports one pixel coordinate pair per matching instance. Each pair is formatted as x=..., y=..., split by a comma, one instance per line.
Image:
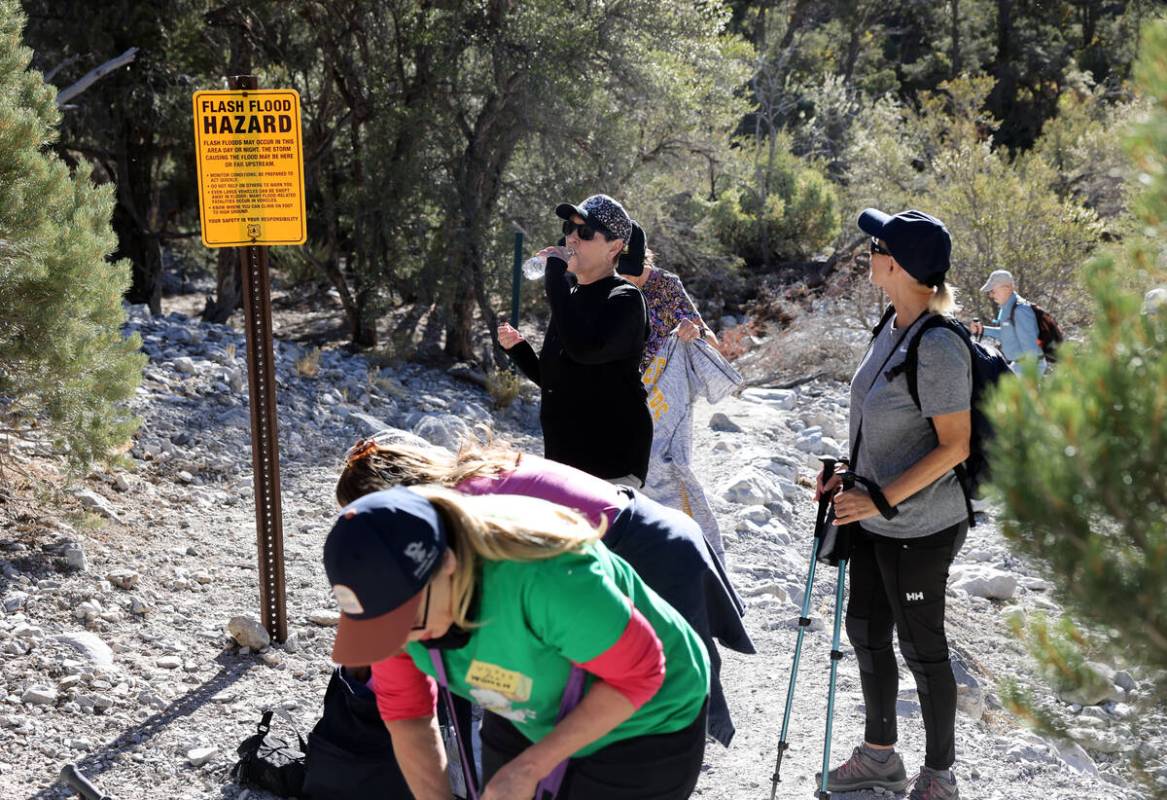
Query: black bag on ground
x=270, y=763
x=350, y=752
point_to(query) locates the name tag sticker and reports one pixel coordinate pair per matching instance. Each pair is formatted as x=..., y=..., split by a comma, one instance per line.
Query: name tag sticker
x=510, y=684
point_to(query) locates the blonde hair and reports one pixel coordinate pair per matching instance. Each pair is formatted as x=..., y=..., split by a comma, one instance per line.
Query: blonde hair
x=383, y=466
x=502, y=528
x=943, y=299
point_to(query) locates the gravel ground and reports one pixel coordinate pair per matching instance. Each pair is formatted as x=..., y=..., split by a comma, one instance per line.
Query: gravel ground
x=117, y=593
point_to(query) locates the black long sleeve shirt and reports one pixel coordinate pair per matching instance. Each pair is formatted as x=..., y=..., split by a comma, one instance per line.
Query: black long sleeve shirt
x=594, y=411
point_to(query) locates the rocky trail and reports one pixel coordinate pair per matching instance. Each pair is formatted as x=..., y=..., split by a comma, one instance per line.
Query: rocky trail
x=118, y=594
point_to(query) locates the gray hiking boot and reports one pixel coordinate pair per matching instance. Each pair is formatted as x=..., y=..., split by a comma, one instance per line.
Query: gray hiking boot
x=932, y=785
x=862, y=771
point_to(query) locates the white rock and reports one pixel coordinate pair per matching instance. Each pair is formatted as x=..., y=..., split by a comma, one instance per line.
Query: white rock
x=752, y=487
x=983, y=581
x=14, y=601
x=1077, y=758
x=248, y=633
x=94, y=502
x=327, y=617
x=169, y=662
x=123, y=578
x=75, y=556
x=201, y=755
x=1155, y=300
x=783, y=467
x=782, y=399
x=29, y=632
x=1124, y=680
x=39, y=696
x=184, y=365
x=1097, y=686
x=759, y=514
x=88, y=646
x=970, y=697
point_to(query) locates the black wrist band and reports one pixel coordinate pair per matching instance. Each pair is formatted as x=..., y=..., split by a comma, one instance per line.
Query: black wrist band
x=886, y=509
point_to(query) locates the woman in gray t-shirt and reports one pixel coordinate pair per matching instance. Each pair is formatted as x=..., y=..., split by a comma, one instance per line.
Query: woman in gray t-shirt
x=900, y=558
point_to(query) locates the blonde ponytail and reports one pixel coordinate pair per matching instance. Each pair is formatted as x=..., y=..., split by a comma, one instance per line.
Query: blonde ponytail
x=943, y=299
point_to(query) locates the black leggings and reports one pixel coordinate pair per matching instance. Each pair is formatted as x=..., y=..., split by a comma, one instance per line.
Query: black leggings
x=664, y=766
x=900, y=583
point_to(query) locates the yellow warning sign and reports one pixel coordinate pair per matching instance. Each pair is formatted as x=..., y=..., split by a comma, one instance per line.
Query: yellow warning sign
x=250, y=160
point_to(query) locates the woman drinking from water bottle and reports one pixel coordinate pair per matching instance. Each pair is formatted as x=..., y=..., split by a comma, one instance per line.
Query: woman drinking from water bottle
x=594, y=412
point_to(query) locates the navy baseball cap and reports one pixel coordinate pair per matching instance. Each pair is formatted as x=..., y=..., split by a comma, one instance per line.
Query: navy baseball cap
x=379, y=556
x=918, y=242
x=600, y=211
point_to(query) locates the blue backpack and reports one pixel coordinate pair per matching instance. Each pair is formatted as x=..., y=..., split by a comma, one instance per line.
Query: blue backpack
x=988, y=365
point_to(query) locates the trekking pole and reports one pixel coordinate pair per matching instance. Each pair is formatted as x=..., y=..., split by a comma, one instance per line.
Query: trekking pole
x=820, y=525
x=72, y=777
x=836, y=653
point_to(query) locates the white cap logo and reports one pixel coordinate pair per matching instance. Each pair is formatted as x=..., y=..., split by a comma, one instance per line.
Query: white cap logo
x=416, y=551
x=346, y=598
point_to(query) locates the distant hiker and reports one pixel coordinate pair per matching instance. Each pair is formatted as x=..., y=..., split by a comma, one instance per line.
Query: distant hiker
x=1016, y=324
x=593, y=411
x=670, y=309
x=899, y=562
x=507, y=600
x=677, y=370
x=664, y=546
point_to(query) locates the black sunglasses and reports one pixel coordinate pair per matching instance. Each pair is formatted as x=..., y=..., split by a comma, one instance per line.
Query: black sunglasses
x=878, y=249
x=586, y=232
x=425, y=613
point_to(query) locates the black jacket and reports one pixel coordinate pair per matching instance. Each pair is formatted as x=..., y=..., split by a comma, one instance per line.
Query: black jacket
x=594, y=414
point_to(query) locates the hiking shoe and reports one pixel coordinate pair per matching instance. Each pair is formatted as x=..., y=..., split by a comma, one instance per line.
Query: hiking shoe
x=862, y=771
x=932, y=785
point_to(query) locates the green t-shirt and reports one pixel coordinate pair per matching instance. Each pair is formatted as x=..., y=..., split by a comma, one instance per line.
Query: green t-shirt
x=537, y=618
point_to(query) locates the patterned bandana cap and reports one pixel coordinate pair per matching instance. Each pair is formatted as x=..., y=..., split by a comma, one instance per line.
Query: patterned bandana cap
x=601, y=211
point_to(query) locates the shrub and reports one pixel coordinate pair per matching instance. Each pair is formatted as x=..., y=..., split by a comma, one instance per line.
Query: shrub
x=64, y=362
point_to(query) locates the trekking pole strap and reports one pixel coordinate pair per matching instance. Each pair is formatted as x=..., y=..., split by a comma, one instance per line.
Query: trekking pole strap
x=886, y=509
x=444, y=683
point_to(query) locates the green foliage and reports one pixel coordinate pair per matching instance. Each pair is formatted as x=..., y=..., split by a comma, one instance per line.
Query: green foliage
x=1079, y=465
x=792, y=213
x=1078, y=459
x=63, y=359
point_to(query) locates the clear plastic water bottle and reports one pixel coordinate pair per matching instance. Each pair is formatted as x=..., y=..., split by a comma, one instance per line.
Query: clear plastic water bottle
x=534, y=267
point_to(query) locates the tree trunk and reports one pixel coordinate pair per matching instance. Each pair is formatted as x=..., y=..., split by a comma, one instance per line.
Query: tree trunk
x=228, y=288
x=145, y=255
x=954, y=53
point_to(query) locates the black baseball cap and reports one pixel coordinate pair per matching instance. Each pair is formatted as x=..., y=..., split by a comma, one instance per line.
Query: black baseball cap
x=918, y=242
x=602, y=212
x=379, y=556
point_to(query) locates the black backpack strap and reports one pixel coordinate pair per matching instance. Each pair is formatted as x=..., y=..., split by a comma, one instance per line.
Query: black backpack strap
x=910, y=366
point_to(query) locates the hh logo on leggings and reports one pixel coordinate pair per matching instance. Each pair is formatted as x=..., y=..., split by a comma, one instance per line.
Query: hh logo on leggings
x=914, y=596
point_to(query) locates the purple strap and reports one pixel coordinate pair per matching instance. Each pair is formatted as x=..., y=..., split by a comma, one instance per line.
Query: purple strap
x=572, y=694
x=448, y=699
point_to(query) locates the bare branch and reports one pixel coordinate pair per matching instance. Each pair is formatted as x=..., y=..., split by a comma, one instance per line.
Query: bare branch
x=94, y=75
x=52, y=73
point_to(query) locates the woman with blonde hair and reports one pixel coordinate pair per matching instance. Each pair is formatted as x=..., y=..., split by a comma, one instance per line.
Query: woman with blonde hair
x=665, y=546
x=911, y=510
x=499, y=598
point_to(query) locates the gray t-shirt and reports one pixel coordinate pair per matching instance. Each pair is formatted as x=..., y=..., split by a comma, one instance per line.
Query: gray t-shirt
x=896, y=434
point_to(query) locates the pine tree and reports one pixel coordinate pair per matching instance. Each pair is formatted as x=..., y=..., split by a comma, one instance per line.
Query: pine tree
x=1078, y=458
x=65, y=366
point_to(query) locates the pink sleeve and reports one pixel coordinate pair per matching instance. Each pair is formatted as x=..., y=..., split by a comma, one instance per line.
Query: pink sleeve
x=403, y=691
x=635, y=664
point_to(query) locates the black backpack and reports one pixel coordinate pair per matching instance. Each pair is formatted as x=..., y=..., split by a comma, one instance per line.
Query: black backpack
x=988, y=365
x=270, y=763
x=350, y=752
x=1049, y=333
